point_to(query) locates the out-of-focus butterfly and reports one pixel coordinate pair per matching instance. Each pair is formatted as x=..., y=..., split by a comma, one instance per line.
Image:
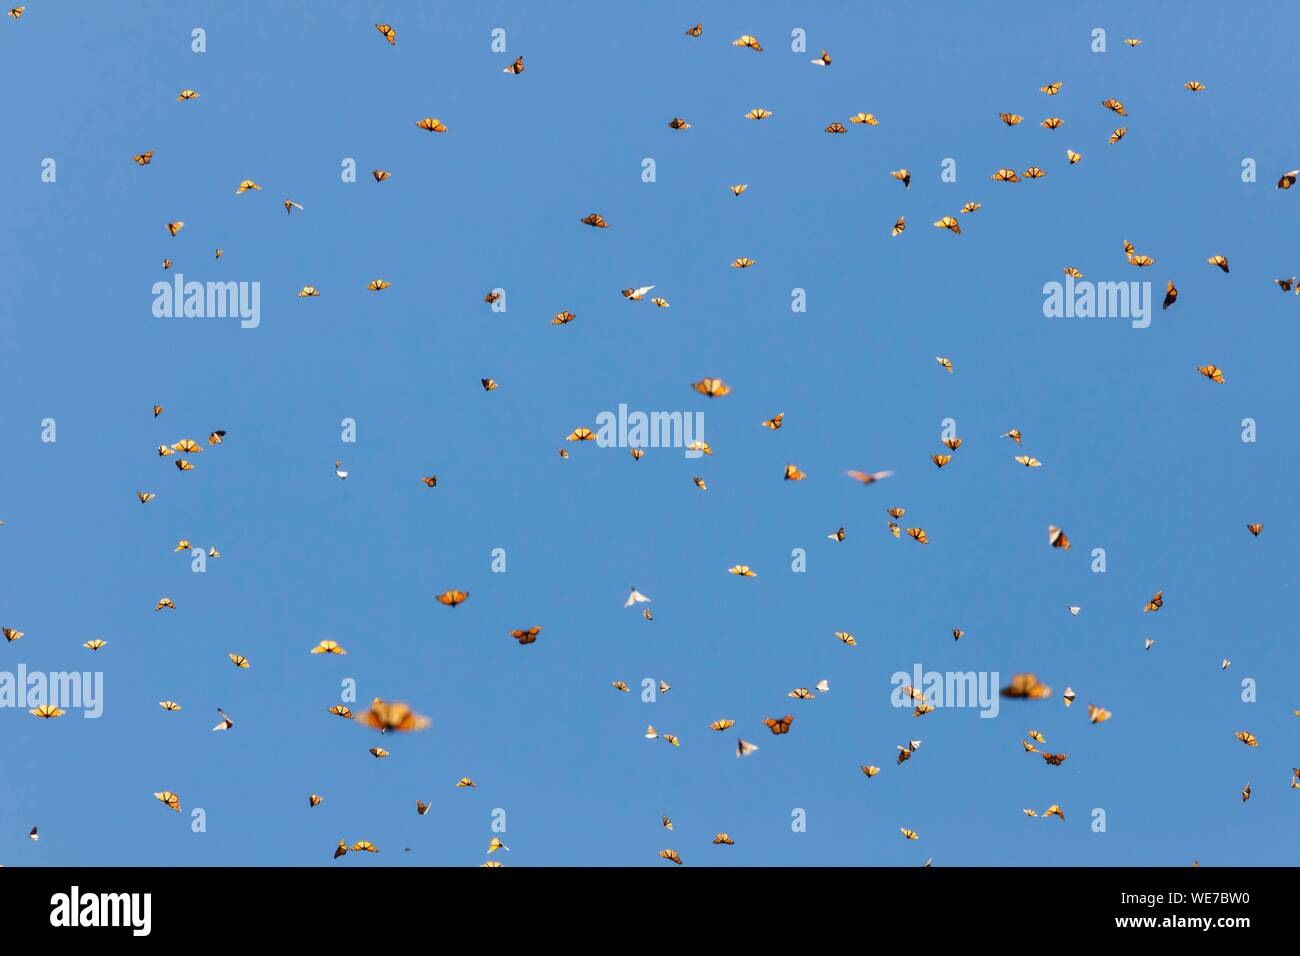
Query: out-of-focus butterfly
x=868, y=477
x=452, y=598
x=671, y=856
x=711, y=387
x=1026, y=687
x=792, y=473
x=1098, y=714
x=744, y=748
x=385, y=716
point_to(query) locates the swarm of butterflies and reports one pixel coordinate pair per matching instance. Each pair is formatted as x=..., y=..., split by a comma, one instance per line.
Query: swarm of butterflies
x=385, y=717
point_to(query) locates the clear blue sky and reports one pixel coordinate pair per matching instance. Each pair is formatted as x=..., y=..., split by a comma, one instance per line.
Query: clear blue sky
x=1142, y=456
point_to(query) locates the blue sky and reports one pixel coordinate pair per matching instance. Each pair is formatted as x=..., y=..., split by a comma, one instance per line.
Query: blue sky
x=1142, y=456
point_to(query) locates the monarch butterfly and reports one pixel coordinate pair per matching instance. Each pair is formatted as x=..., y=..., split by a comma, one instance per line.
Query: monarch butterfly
x=834, y=127
x=1033, y=172
x=1037, y=736
x=378, y=752
x=430, y=481
x=1140, y=261
x=1146, y=645
x=823, y=60
x=1255, y=529
x=170, y=800
x=10, y=634
x=918, y=534
x=432, y=124
x=1098, y=714
x=870, y=770
x=187, y=95
x=378, y=285
x=758, y=113
x=1029, y=461
x=466, y=782
x=308, y=292
x=637, y=453
x=1171, y=295
x=922, y=709
x=946, y=363
x=868, y=477
x=940, y=460
x=1118, y=134
x=844, y=637
x=47, y=711
x=1056, y=538
x=801, y=693
x=489, y=384
x=595, y=220
x=721, y=725
x=695, y=30
x=837, y=535
x=738, y=188
x=672, y=740
x=1005, y=176
x=1026, y=687
x=865, y=119
x=364, y=846
x=723, y=840
x=1219, y=261
x=563, y=318
x=671, y=856
x=792, y=473
x=1052, y=122
x=328, y=647
x=678, y=123
x=314, y=800
x=1054, y=760
x=903, y=176
x=1245, y=794
x=528, y=636
x=742, y=263
x=581, y=434
x=381, y=175
x=1247, y=738
x=893, y=529
x=1054, y=811
x=452, y=598
x=144, y=159
x=909, y=834
x=169, y=705
x=95, y=644
x=1072, y=272
x=636, y=295
x=384, y=716
x=175, y=227
x=1285, y=284
x=743, y=570
x=1132, y=41
x=17, y=12
x=774, y=422
x=744, y=748
x=699, y=483
x=387, y=32
x=491, y=297
x=949, y=223
x=1011, y=119
x=245, y=186
x=971, y=206
x=900, y=224
x=1051, y=89
x=1072, y=156
x=711, y=387
x=668, y=824
x=779, y=726
x=165, y=603
x=290, y=206
x=745, y=40
x=958, y=633
x=338, y=710
x=1030, y=813
x=516, y=67
x=1212, y=372
x=1115, y=106
x=239, y=661
x=1193, y=87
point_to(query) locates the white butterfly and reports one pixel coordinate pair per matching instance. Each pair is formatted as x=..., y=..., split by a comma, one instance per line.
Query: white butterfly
x=226, y=723
x=634, y=597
